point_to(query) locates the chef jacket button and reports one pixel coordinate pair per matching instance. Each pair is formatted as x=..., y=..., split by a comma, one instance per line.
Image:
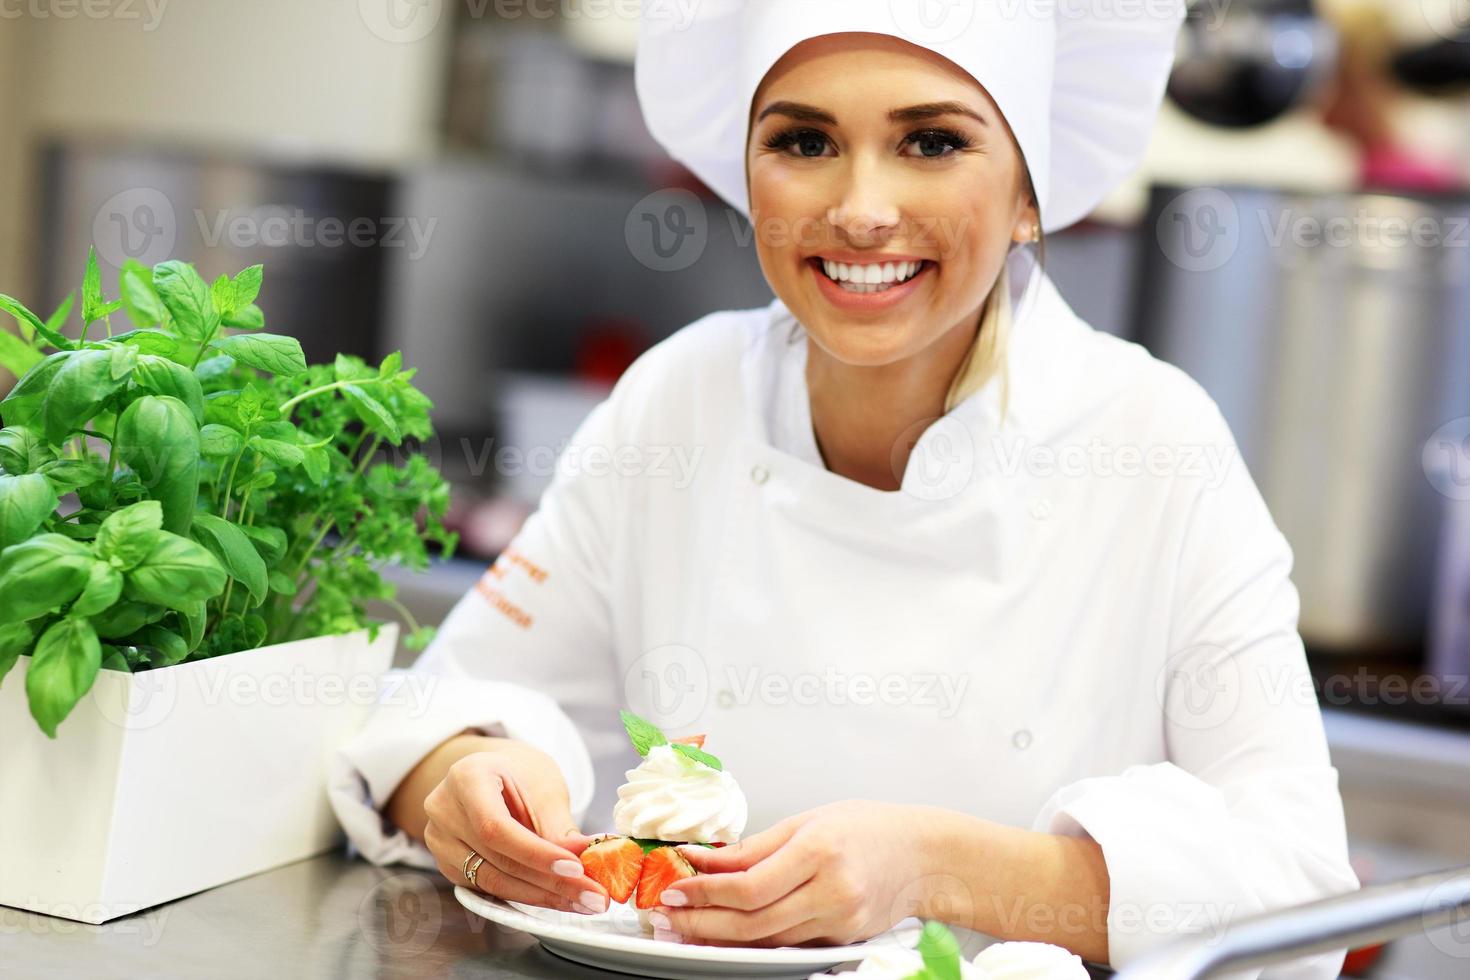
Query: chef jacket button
x=759, y=474
x=1021, y=739
x=1040, y=508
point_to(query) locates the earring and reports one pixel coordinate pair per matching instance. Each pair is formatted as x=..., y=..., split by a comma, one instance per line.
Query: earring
x=1035, y=232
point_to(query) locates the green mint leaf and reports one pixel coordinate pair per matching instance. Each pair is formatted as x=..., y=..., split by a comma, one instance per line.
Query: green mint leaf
x=643, y=734
x=698, y=755
x=30, y=324
x=185, y=295
x=248, y=317
x=247, y=285
x=940, y=951
x=222, y=294
x=279, y=355
x=94, y=306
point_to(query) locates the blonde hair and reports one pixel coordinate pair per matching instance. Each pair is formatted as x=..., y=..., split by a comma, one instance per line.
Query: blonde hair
x=987, y=354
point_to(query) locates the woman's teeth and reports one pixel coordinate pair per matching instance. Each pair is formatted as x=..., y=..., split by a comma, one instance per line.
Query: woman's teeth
x=871, y=278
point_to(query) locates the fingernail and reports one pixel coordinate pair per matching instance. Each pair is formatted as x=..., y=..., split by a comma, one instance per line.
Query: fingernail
x=567, y=868
x=593, y=901
x=659, y=921
x=671, y=897
x=665, y=936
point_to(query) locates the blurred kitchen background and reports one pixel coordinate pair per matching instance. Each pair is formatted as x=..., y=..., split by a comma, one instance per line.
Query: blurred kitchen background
x=470, y=181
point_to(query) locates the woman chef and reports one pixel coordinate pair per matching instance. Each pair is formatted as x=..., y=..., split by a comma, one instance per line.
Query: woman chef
x=978, y=603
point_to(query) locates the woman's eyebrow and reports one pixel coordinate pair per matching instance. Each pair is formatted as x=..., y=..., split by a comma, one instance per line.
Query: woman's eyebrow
x=928, y=110
x=798, y=111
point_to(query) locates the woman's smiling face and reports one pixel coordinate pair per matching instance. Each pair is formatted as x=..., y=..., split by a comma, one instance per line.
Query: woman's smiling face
x=885, y=191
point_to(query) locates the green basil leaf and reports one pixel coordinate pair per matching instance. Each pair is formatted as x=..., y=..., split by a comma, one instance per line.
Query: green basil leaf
x=104, y=585
x=126, y=536
x=67, y=475
x=17, y=356
x=140, y=300
x=282, y=583
x=62, y=670
x=84, y=381
x=229, y=544
x=158, y=437
x=217, y=440
x=248, y=317
x=940, y=951
x=277, y=451
x=192, y=620
x=269, y=541
x=162, y=376
x=170, y=647
x=22, y=450
x=125, y=618
x=41, y=574
x=25, y=503
x=176, y=573
x=372, y=413
x=149, y=342
x=23, y=405
x=30, y=322
x=15, y=639
x=185, y=295
x=114, y=659
x=264, y=351
x=212, y=369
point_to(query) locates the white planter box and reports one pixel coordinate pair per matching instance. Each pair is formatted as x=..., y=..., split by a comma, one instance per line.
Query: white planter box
x=171, y=781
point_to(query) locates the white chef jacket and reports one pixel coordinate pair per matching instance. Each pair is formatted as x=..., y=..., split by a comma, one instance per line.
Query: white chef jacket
x=1076, y=619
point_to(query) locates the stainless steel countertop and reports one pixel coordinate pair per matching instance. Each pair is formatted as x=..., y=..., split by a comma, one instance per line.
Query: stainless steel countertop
x=327, y=917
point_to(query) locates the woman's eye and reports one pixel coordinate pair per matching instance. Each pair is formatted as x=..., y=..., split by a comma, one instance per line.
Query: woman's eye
x=935, y=142
x=801, y=142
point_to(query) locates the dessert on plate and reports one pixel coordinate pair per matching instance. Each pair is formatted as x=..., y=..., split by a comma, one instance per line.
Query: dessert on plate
x=678, y=794
x=937, y=957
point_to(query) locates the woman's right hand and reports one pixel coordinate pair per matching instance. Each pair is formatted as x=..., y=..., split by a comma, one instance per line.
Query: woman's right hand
x=508, y=803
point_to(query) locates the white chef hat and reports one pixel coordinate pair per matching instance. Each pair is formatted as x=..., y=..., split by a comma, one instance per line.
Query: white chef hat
x=1078, y=81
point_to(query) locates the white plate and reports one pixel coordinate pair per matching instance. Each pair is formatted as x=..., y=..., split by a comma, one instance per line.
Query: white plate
x=615, y=941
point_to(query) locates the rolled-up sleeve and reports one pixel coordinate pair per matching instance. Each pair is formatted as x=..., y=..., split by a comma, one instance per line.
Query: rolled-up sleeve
x=522, y=653
x=1245, y=815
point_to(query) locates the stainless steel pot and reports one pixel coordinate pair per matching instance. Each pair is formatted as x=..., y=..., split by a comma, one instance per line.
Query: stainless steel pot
x=1336, y=346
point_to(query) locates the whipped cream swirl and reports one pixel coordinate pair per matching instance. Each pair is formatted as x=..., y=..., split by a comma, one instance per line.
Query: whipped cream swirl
x=670, y=797
x=998, y=961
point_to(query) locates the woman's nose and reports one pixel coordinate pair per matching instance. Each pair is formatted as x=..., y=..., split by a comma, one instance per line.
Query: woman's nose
x=866, y=209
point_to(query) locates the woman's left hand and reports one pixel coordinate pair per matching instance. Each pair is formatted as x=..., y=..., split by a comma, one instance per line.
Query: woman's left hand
x=833, y=875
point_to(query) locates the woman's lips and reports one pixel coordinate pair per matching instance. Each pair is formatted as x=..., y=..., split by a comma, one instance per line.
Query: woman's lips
x=867, y=302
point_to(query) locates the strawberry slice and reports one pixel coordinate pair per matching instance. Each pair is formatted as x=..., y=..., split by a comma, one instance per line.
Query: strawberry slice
x=662, y=866
x=614, y=863
x=695, y=740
